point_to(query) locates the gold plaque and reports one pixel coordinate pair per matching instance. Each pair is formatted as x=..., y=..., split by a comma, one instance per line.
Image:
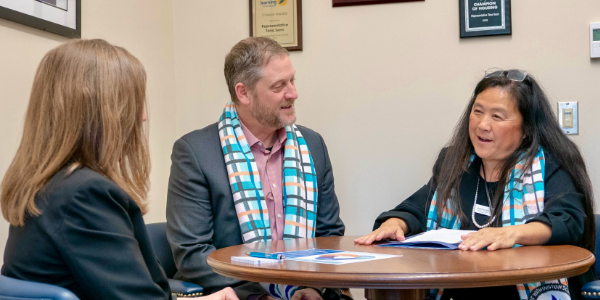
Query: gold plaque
x=280, y=20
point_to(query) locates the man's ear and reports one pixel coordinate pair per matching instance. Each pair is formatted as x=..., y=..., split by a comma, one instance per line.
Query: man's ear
x=243, y=93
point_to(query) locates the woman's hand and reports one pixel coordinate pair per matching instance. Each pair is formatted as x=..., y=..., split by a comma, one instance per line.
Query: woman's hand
x=393, y=228
x=492, y=238
x=534, y=233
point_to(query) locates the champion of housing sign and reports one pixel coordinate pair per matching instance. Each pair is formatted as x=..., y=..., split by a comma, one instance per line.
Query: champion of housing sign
x=484, y=17
x=279, y=20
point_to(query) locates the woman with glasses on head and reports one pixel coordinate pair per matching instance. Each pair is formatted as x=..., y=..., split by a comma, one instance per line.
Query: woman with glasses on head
x=510, y=174
x=76, y=190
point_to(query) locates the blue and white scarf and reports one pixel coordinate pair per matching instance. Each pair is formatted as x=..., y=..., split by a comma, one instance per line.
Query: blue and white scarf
x=523, y=200
x=299, y=182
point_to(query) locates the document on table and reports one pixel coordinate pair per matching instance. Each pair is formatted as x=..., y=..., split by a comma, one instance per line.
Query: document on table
x=333, y=257
x=257, y=261
x=446, y=239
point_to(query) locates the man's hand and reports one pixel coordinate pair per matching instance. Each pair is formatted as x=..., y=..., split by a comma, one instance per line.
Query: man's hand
x=224, y=294
x=393, y=228
x=306, y=294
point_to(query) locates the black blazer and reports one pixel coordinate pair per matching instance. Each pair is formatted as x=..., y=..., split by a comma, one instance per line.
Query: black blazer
x=90, y=238
x=201, y=216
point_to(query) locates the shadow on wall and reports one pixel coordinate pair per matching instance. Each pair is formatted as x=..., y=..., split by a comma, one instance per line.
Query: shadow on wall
x=33, y=31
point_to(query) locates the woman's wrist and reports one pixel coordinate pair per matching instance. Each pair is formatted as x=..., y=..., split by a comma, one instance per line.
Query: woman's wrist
x=534, y=233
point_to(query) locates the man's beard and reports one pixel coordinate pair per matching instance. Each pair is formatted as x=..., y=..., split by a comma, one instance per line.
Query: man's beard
x=269, y=116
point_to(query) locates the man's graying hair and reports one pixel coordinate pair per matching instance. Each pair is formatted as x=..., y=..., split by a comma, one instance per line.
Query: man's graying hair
x=245, y=61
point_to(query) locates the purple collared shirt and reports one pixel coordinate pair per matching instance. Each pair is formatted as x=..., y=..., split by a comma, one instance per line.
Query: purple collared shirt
x=270, y=170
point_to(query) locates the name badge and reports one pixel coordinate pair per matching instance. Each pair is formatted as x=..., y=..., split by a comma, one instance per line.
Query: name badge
x=483, y=210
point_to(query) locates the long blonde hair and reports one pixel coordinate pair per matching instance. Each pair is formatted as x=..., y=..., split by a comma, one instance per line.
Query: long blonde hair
x=85, y=110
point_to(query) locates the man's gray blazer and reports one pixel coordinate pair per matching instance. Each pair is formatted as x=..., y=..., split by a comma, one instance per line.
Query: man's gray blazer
x=201, y=216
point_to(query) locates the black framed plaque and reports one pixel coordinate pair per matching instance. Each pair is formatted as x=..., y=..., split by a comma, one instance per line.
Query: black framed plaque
x=484, y=17
x=61, y=17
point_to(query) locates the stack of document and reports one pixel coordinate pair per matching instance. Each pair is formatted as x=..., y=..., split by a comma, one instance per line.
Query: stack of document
x=256, y=261
x=445, y=239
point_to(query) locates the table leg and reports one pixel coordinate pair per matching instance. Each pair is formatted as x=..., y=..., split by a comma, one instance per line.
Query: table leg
x=377, y=294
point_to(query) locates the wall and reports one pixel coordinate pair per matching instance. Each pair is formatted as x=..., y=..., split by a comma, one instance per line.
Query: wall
x=145, y=28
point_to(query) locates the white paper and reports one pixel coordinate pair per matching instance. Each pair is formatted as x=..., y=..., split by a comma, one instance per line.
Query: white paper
x=444, y=235
x=342, y=257
x=257, y=261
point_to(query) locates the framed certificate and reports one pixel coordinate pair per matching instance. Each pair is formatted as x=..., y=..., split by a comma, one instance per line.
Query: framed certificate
x=363, y=2
x=484, y=17
x=62, y=17
x=280, y=20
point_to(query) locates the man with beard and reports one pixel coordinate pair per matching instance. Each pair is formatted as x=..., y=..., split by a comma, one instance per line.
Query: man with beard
x=252, y=176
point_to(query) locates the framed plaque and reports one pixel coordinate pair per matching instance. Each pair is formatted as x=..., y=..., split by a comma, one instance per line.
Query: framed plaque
x=62, y=17
x=337, y=3
x=484, y=17
x=280, y=20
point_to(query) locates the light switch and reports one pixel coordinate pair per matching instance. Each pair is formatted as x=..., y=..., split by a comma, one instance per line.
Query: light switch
x=567, y=118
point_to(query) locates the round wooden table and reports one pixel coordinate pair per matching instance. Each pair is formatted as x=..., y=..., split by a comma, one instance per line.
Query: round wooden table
x=408, y=276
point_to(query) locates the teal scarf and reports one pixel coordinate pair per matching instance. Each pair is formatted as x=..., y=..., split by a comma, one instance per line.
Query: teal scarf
x=523, y=200
x=299, y=182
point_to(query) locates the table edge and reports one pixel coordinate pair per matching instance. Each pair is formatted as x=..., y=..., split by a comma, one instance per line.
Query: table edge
x=405, y=281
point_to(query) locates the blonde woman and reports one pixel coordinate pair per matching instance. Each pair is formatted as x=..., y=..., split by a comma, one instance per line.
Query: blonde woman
x=75, y=191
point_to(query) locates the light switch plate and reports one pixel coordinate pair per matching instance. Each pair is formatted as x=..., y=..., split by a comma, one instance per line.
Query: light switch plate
x=568, y=117
x=595, y=40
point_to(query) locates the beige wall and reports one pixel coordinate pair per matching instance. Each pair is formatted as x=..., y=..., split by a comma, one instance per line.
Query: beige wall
x=145, y=28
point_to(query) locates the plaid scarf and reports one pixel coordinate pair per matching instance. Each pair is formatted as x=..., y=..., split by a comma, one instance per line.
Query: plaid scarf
x=299, y=182
x=523, y=200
